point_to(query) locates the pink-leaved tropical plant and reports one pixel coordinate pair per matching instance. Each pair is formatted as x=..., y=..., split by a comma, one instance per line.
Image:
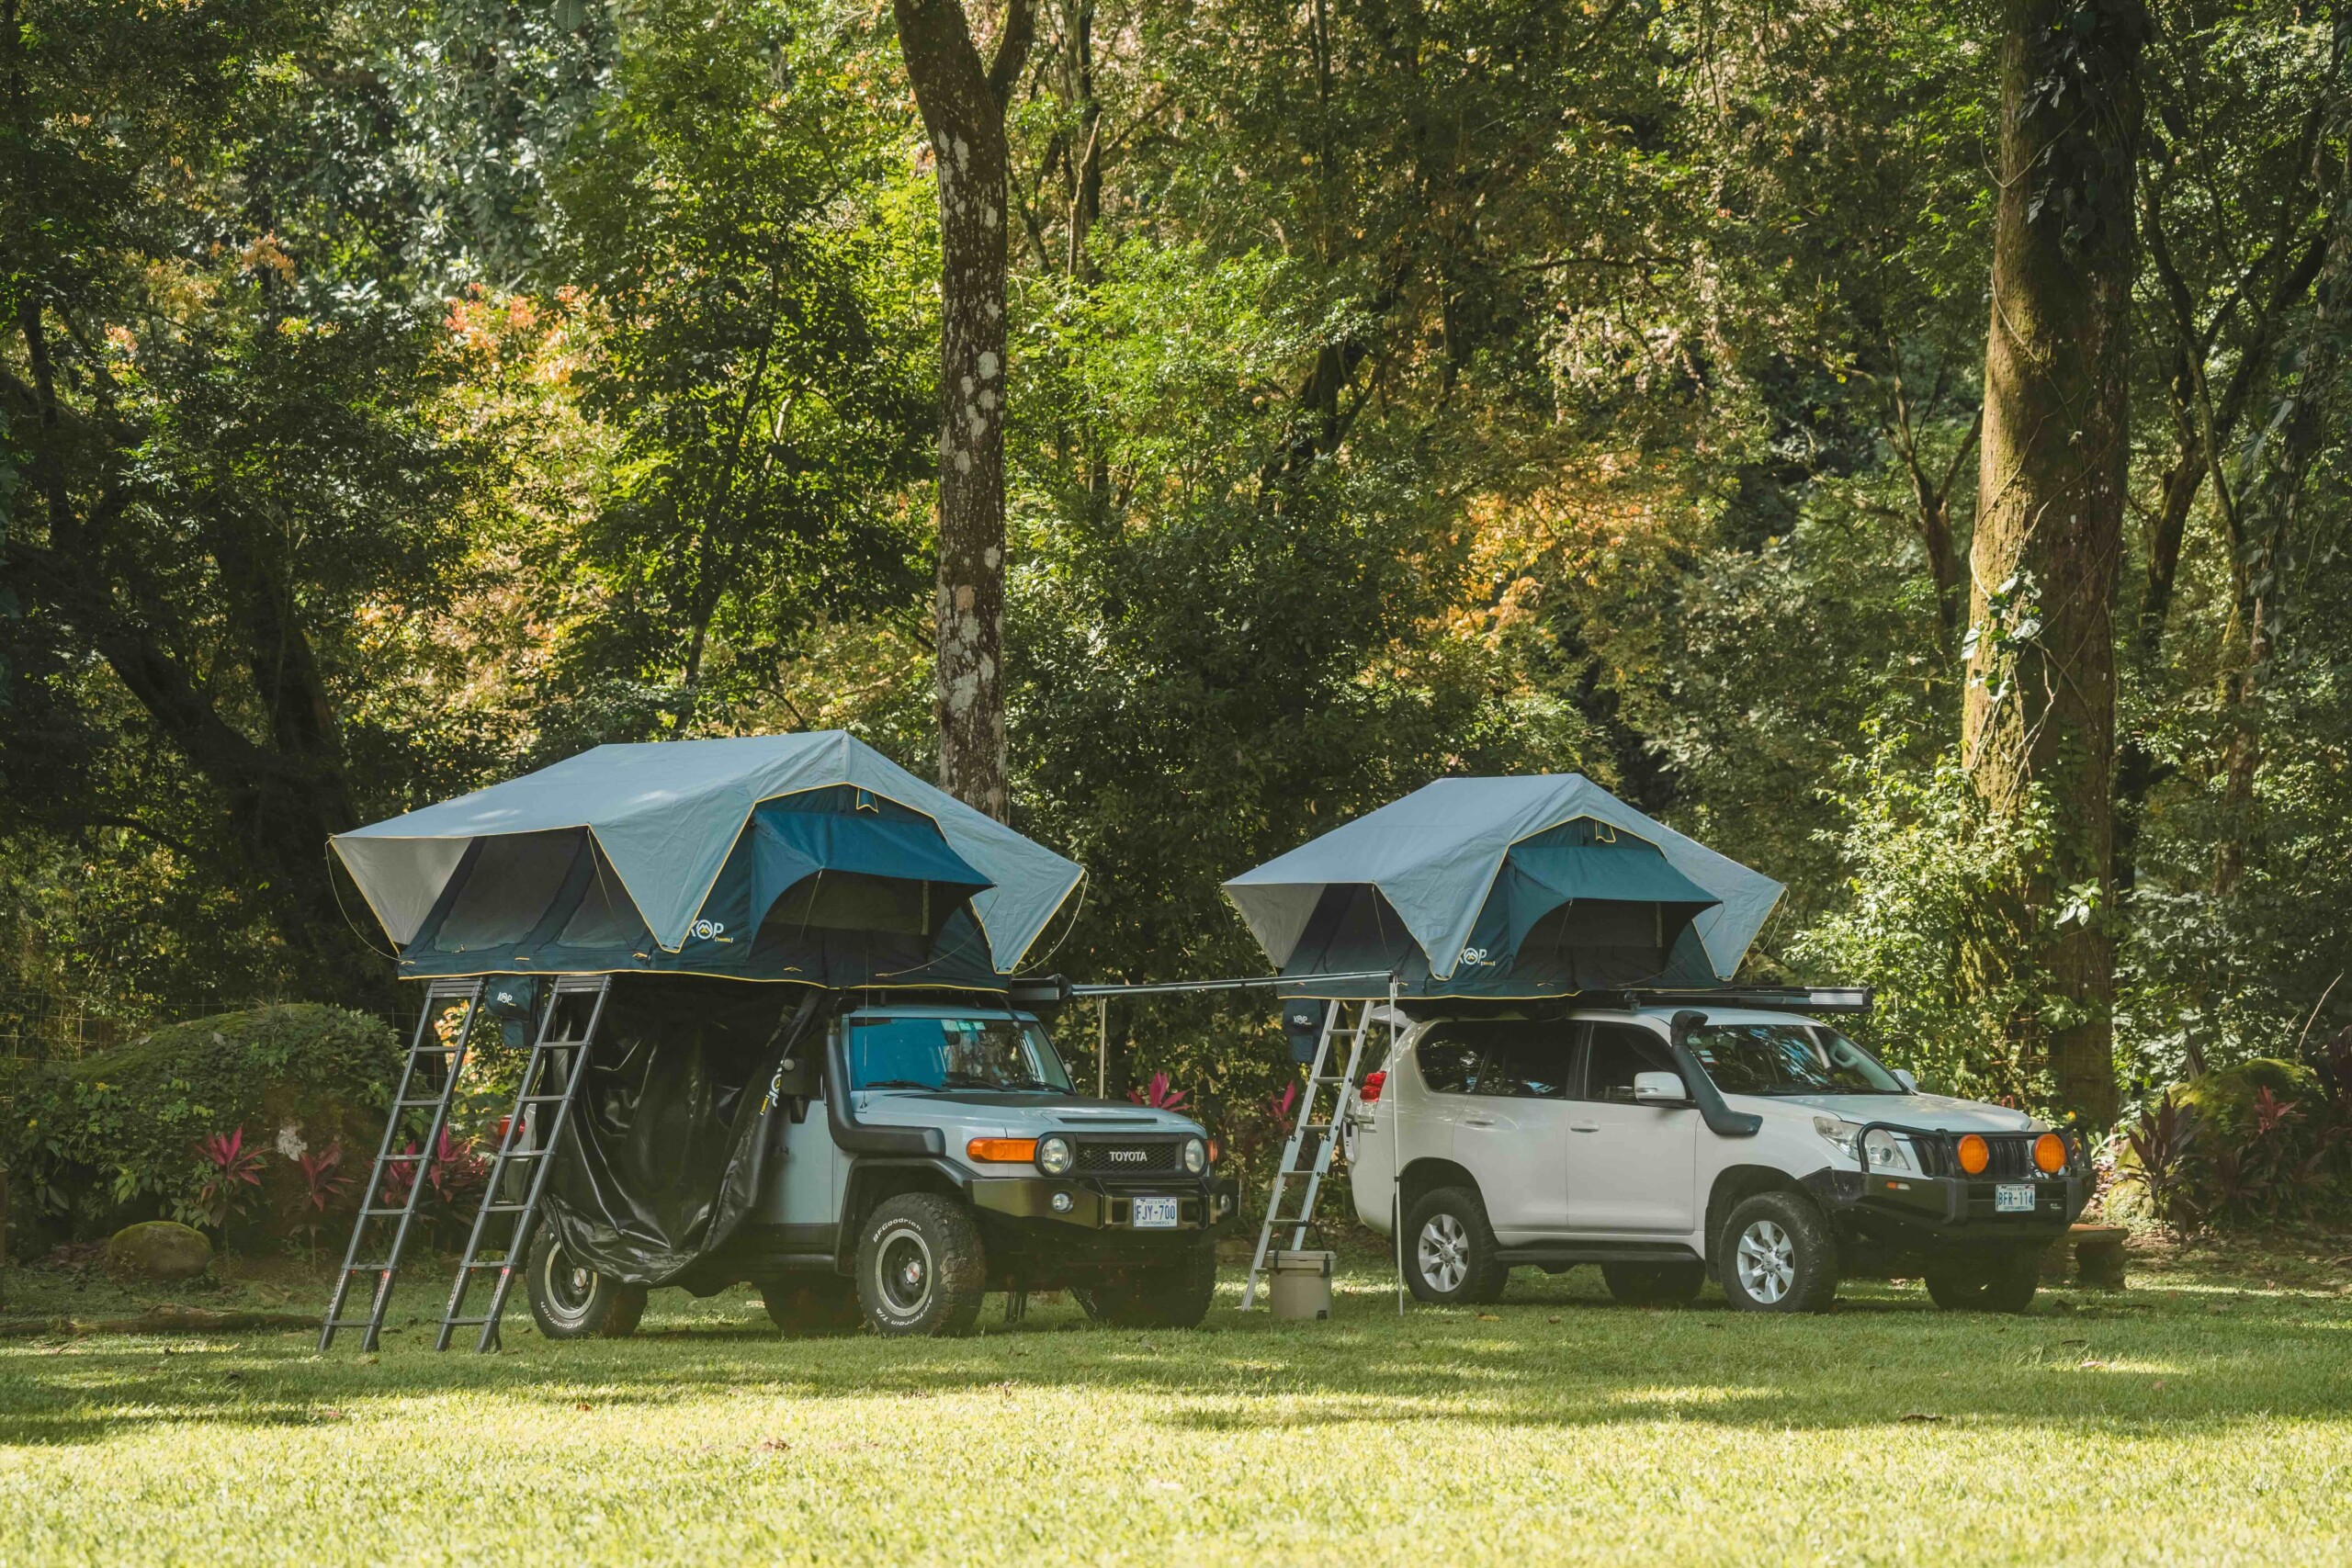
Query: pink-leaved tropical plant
x=1158, y=1094
x=323, y=1184
x=232, y=1176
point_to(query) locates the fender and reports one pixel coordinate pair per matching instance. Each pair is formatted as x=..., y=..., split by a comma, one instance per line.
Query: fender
x=1721, y=1119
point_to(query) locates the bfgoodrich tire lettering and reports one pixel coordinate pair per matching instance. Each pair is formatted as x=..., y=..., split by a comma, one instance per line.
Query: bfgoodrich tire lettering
x=1450, y=1250
x=921, y=1267
x=1776, y=1254
x=569, y=1301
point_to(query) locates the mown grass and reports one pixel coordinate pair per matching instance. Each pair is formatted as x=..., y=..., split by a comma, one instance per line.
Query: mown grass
x=2206, y=1418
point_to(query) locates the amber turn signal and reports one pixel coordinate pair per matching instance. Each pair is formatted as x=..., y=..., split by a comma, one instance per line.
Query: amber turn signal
x=2050, y=1154
x=1975, y=1154
x=1009, y=1151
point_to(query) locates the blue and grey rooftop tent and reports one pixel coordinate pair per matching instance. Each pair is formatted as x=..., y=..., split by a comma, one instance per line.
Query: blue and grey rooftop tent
x=1504, y=889
x=810, y=858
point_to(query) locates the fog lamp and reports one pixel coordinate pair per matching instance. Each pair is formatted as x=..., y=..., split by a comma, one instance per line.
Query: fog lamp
x=1061, y=1203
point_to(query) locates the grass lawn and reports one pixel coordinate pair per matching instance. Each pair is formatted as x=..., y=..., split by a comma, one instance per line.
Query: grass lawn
x=2205, y=1415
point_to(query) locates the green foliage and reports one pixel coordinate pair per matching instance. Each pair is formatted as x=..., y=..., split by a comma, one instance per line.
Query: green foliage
x=121, y=1130
x=1926, y=866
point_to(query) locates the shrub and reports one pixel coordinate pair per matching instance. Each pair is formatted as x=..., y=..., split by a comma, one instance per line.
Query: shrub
x=113, y=1138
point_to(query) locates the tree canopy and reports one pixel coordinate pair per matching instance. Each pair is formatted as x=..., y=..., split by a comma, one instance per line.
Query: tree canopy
x=400, y=396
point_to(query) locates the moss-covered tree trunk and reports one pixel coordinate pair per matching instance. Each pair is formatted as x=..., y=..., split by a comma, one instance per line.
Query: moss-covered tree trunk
x=962, y=112
x=2040, y=709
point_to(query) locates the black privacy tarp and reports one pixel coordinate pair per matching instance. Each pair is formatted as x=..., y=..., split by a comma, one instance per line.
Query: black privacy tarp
x=666, y=1150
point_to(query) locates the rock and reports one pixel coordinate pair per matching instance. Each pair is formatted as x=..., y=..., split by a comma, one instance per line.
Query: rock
x=158, y=1250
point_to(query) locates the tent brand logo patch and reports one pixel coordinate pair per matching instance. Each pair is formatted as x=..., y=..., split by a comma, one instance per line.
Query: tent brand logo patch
x=708, y=929
x=1475, y=955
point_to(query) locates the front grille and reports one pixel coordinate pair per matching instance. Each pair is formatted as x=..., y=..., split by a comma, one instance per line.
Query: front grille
x=2012, y=1157
x=1127, y=1156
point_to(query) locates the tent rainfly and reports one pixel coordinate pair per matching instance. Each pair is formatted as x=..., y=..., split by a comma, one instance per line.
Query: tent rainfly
x=810, y=858
x=1505, y=887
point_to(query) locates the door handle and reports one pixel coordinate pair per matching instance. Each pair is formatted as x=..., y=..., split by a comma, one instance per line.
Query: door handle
x=1584, y=1126
x=1476, y=1122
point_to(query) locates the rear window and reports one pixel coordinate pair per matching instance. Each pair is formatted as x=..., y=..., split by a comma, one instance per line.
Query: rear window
x=1502, y=1056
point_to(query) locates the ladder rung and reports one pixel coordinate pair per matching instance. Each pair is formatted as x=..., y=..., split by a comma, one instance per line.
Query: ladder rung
x=416, y=1104
x=505, y=1208
x=369, y=1267
x=381, y=1213
x=405, y=1159
x=488, y=1263
x=540, y=1098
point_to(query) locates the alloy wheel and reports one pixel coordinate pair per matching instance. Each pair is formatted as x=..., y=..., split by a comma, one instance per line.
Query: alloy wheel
x=1444, y=1253
x=1766, y=1259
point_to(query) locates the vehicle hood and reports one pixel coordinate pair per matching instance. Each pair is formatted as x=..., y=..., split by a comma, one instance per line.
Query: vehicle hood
x=1936, y=1112
x=985, y=1113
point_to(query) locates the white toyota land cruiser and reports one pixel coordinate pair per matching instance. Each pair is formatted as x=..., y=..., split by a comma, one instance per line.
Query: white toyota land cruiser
x=1666, y=1144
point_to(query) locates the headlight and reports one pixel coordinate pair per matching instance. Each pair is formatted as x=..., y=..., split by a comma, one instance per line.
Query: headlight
x=1054, y=1157
x=1887, y=1151
x=1197, y=1155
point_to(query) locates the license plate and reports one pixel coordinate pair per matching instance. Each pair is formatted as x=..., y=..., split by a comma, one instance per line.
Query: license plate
x=2013, y=1198
x=1154, y=1214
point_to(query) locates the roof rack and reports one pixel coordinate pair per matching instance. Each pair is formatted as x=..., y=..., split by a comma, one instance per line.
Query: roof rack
x=1765, y=998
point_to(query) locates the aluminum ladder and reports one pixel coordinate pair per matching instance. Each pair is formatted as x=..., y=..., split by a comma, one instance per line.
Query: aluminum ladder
x=551, y=1077
x=1326, y=1133
x=452, y=1009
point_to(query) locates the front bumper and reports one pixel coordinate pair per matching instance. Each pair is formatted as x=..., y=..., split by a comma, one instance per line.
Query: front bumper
x=1204, y=1205
x=1910, y=1214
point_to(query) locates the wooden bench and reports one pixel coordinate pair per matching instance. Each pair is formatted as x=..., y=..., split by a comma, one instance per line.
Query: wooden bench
x=2095, y=1253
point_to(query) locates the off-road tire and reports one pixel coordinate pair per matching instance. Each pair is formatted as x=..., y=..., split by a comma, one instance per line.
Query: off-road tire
x=569, y=1303
x=1459, y=1266
x=2002, y=1282
x=810, y=1305
x=1654, y=1284
x=1175, y=1296
x=1795, y=1266
x=922, y=1268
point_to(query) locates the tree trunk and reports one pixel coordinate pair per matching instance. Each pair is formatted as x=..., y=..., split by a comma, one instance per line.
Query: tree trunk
x=2040, y=708
x=962, y=111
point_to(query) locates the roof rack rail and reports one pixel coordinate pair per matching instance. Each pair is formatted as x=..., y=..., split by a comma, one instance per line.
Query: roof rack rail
x=1766, y=999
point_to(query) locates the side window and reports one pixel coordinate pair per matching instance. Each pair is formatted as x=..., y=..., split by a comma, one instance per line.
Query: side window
x=1449, y=1065
x=1530, y=1066
x=1619, y=1051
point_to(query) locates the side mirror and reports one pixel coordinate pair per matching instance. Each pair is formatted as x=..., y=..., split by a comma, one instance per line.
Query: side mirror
x=1660, y=1089
x=1903, y=1076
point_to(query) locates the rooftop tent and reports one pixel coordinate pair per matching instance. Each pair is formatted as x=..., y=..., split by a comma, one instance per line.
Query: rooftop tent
x=791, y=857
x=1501, y=888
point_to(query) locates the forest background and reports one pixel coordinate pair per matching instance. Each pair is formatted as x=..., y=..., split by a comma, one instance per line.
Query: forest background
x=401, y=395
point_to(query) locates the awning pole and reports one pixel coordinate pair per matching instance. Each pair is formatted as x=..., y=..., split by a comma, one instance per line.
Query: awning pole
x=1396, y=1145
x=1101, y=1047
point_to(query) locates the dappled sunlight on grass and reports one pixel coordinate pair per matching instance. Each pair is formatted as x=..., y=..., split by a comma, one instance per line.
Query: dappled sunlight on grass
x=1554, y=1425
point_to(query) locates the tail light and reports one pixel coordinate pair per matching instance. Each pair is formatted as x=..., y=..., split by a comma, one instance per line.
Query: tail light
x=500, y=1134
x=1373, y=1084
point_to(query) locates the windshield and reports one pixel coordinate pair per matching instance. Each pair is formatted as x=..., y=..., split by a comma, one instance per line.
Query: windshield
x=1787, y=1058
x=983, y=1051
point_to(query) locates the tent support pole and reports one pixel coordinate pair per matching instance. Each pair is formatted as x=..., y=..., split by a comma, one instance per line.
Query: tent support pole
x=1396, y=1152
x=1101, y=1047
